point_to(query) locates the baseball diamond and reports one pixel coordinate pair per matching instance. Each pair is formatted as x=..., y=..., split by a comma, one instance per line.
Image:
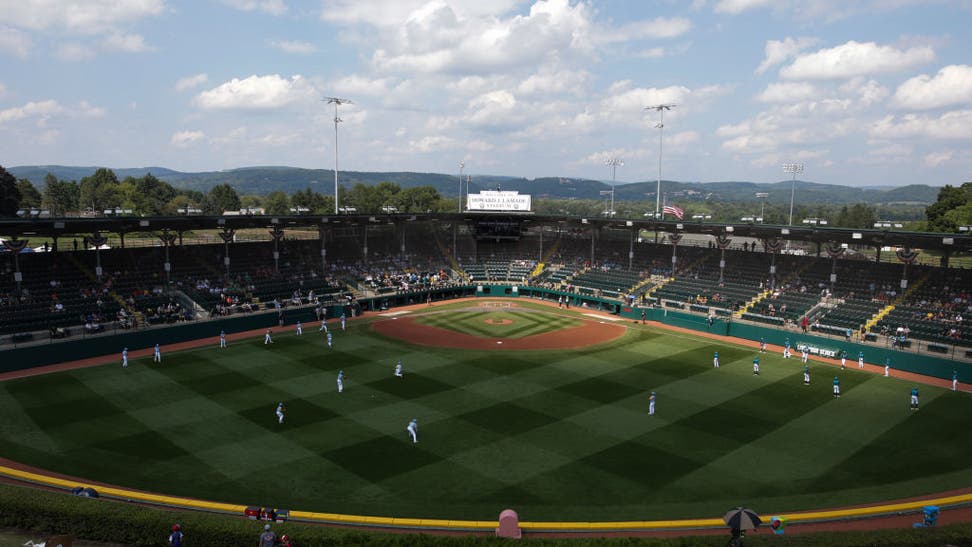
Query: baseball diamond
x=558, y=434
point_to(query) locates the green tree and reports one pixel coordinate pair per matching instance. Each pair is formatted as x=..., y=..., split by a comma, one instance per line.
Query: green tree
x=277, y=203
x=60, y=196
x=152, y=196
x=940, y=215
x=29, y=196
x=221, y=198
x=858, y=215
x=9, y=194
x=420, y=199
x=312, y=200
x=100, y=190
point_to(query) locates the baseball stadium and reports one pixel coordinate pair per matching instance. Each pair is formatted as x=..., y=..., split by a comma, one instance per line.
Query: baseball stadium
x=444, y=378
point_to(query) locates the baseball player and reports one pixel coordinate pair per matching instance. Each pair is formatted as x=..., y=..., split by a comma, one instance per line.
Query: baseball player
x=806, y=375
x=267, y=339
x=651, y=404
x=805, y=354
x=158, y=354
x=843, y=359
x=398, y=369
x=715, y=360
x=125, y=361
x=412, y=429
x=756, y=366
x=340, y=381
x=175, y=538
x=300, y=329
x=280, y=412
x=914, y=398
x=323, y=326
x=329, y=342
x=786, y=348
x=344, y=321
x=762, y=345
x=954, y=380
x=860, y=359
x=222, y=339
x=836, y=387
x=887, y=366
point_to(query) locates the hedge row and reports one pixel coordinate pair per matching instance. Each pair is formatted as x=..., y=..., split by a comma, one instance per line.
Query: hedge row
x=104, y=520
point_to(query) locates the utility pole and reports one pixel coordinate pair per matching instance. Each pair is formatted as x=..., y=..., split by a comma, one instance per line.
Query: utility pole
x=614, y=163
x=794, y=169
x=661, y=108
x=336, y=101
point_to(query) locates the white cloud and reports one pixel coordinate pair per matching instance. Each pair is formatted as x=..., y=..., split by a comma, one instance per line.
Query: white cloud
x=868, y=92
x=391, y=13
x=492, y=109
x=81, y=16
x=273, y=7
x=934, y=159
x=74, y=51
x=357, y=85
x=788, y=92
x=658, y=28
x=183, y=139
x=190, y=82
x=256, y=92
x=950, y=125
x=42, y=110
x=479, y=146
x=683, y=138
x=431, y=144
x=951, y=86
x=294, y=46
x=854, y=59
x=778, y=51
x=132, y=43
x=549, y=80
x=14, y=42
x=735, y=7
x=88, y=110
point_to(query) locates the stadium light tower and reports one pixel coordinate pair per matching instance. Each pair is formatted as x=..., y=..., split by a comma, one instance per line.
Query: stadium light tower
x=794, y=169
x=661, y=108
x=462, y=164
x=337, y=102
x=762, y=206
x=614, y=163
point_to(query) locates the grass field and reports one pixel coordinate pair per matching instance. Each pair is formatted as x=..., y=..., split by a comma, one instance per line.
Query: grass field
x=557, y=435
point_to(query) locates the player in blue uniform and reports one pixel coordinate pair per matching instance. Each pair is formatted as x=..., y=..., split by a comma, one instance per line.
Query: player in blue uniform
x=762, y=345
x=323, y=325
x=398, y=369
x=267, y=339
x=344, y=321
x=412, y=429
x=715, y=359
x=806, y=375
x=300, y=329
x=804, y=354
x=954, y=380
x=329, y=339
x=651, y=404
x=158, y=354
x=280, y=412
x=222, y=339
x=124, y=357
x=914, y=398
x=756, y=365
x=836, y=387
x=340, y=381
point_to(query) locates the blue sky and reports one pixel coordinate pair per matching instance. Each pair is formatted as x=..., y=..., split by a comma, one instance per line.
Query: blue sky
x=863, y=92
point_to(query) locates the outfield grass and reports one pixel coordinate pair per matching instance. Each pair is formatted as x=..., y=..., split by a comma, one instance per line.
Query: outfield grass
x=553, y=434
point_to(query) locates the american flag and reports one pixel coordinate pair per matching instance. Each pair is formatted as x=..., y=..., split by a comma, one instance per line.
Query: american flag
x=673, y=210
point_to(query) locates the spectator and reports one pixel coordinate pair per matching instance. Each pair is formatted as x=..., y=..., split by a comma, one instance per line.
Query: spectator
x=175, y=538
x=267, y=538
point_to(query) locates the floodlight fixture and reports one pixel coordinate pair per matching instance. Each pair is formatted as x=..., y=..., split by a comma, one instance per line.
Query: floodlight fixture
x=336, y=101
x=661, y=108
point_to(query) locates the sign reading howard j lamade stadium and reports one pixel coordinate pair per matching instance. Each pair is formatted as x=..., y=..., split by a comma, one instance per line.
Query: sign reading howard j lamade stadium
x=490, y=200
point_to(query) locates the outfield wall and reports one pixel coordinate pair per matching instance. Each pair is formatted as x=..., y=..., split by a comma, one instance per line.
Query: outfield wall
x=72, y=350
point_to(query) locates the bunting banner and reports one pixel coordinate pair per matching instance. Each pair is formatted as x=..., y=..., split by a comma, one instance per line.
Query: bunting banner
x=723, y=241
x=675, y=238
x=227, y=235
x=772, y=245
x=97, y=240
x=906, y=255
x=834, y=249
x=15, y=245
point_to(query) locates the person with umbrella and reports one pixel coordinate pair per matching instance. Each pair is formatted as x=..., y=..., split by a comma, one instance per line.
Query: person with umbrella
x=740, y=519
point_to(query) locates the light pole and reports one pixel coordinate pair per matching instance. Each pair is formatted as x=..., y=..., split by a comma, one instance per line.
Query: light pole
x=614, y=163
x=462, y=164
x=337, y=101
x=762, y=206
x=794, y=169
x=661, y=108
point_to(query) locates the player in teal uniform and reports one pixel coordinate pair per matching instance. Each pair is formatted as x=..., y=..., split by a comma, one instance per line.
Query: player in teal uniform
x=914, y=398
x=836, y=387
x=887, y=366
x=715, y=360
x=786, y=348
x=860, y=359
x=762, y=345
x=756, y=366
x=806, y=375
x=651, y=404
x=340, y=381
x=843, y=359
x=954, y=380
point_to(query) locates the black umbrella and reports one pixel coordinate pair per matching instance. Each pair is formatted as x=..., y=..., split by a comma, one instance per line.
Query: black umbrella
x=741, y=519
